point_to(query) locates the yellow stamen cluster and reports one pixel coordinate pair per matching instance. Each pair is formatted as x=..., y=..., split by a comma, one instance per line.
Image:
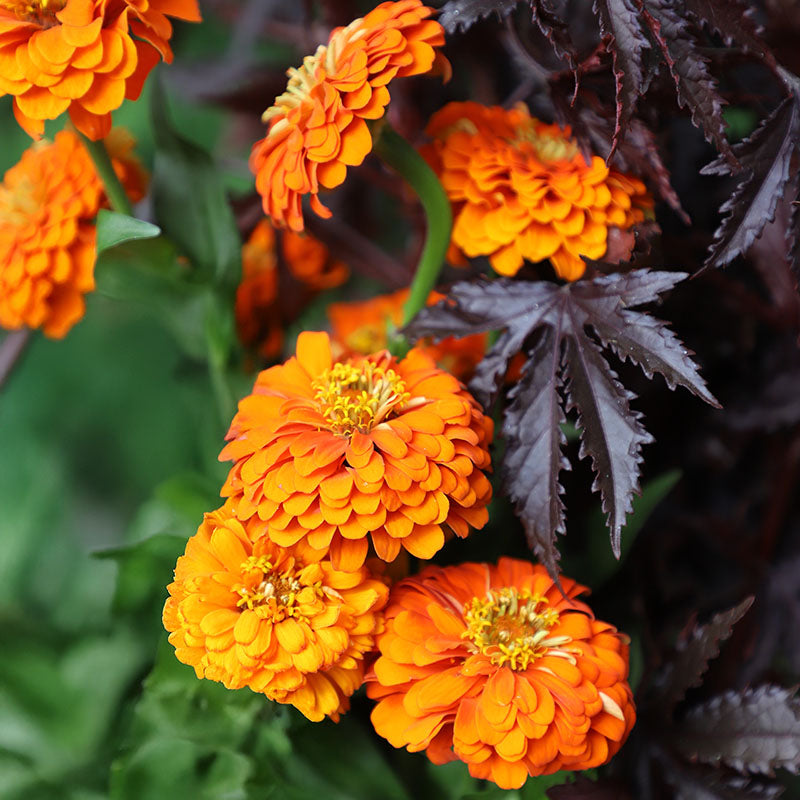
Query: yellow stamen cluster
x=357, y=397
x=41, y=11
x=277, y=595
x=512, y=627
x=547, y=147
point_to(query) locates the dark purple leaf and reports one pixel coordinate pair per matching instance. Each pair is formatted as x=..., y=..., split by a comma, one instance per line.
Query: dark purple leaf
x=611, y=433
x=755, y=730
x=555, y=30
x=696, y=88
x=793, y=231
x=766, y=157
x=533, y=457
x=732, y=20
x=649, y=343
x=463, y=14
x=625, y=39
x=693, y=782
x=559, y=316
x=687, y=668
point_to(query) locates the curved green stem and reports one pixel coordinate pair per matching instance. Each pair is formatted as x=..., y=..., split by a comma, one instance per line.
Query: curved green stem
x=403, y=158
x=113, y=188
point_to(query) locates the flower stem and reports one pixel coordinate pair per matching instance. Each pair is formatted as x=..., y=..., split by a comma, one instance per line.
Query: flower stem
x=403, y=158
x=102, y=163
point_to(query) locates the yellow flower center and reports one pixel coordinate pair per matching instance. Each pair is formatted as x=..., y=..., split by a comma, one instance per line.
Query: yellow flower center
x=357, y=397
x=546, y=146
x=512, y=627
x=271, y=594
x=41, y=11
x=18, y=202
x=304, y=78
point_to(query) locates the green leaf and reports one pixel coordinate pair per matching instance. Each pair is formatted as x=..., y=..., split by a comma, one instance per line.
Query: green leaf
x=163, y=768
x=601, y=563
x=190, y=203
x=114, y=229
x=148, y=271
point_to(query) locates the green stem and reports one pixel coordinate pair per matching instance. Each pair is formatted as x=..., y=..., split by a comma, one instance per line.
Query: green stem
x=102, y=163
x=403, y=158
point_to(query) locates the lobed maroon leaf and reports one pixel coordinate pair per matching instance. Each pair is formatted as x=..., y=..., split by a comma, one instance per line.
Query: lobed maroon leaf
x=694, y=782
x=766, y=157
x=648, y=342
x=626, y=40
x=793, y=230
x=611, y=432
x=696, y=88
x=755, y=730
x=533, y=458
x=732, y=20
x=555, y=319
x=556, y=31
x=693, y=655
x=463, y=14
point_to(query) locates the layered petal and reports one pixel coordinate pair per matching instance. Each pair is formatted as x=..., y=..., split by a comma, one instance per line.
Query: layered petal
x=245, y=612
x=81, y=56
x=521, y=190
x=48, y=203
x=493, y=665
x=334, y=453
x=318, y=128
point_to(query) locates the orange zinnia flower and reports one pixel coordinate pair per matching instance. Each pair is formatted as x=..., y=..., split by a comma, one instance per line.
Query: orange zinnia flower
x=82, y=56
x=327, y=452
x=245, y=612
x=318, y=128
x=363, y=327
x=48, y=202
x=494, y=666
x=259, y=316
x=522, y=190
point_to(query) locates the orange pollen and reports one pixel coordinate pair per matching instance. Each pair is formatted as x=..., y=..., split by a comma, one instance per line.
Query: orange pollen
x=267, y=592
x=40, y=11
x=546, y=146
x=512, y=627
x=357, y=397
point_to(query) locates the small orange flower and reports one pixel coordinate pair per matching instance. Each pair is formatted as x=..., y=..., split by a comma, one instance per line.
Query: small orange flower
x=328, y=452
x=48, y=202
x=309, y=261
x=494, y=666
x=363, y=327
x=82, y=56
x=522, y=190
x=259, y=316
x=245, y=612
x=318, y=128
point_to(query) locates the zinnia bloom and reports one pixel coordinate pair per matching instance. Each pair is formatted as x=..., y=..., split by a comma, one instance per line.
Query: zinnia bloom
x=48, y=202
x=318, y=127
x=260, y=317
x=328, y=452
x=494, y=666
x=82, y=56
x=363, y=327
x=245, y=612
x=522, y=190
